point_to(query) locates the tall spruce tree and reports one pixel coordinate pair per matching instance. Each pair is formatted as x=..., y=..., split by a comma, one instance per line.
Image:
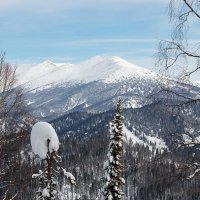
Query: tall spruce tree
x=114, y=165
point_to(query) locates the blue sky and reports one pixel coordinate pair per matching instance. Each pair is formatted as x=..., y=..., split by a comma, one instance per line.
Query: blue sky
x=32, y=31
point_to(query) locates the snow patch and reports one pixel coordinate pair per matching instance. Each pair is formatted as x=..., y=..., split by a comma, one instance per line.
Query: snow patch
x=186, y=138
x=30, y=102
x=145, y=140
x=69, y=176
x=158, y=142
x=131, y=136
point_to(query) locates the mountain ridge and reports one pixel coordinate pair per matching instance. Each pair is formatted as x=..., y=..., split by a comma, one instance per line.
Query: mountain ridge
x=98, y=68
x=52, y=90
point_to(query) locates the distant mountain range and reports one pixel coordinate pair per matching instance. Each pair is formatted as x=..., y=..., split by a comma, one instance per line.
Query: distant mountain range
x=92, y=86
x=105, y=69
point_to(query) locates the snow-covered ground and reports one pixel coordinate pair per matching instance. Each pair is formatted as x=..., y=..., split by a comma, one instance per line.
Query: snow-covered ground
x=145, y=140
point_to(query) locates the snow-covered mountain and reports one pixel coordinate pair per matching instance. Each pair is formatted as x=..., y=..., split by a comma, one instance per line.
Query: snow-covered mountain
x=92, y=85
x=105, y=69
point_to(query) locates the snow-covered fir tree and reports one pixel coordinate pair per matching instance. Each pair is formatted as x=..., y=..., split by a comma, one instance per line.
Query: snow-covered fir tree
x=114, y=165
x=45, y=143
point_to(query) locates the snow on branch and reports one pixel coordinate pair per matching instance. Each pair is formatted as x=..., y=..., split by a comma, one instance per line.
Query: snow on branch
x=45, y=143
x=192, y=175
x=69, y=176
x=43, y=136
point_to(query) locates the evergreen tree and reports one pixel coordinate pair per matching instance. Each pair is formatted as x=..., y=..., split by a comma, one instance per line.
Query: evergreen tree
x=114, y=165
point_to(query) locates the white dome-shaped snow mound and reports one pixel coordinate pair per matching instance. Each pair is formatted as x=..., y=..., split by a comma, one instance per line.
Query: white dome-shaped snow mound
x=41, y=132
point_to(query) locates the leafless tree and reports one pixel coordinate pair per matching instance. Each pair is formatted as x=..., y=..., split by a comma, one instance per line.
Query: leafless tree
x=15, y=119
x=13, y=109
x=181, y=56
x=181, y=52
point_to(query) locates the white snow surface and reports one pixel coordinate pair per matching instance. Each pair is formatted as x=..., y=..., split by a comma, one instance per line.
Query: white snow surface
x=196, y=83
x=186, y=138
x=45, y=192
x=41, y=132
x=149, y=141
x=69, y=176
x=106, y=69
x=131, y=136
x=158, y=142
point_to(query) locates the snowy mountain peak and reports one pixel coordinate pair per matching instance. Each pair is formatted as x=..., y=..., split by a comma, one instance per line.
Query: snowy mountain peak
x=98, y=68
x=105, y=59
x=116, y=59
x=47, y=63
x=114, y=62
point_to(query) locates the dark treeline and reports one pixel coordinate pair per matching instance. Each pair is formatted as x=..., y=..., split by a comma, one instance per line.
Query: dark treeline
x=148, y=175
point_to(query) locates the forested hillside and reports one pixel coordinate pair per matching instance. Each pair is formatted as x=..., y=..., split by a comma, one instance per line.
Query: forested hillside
x=155, y=165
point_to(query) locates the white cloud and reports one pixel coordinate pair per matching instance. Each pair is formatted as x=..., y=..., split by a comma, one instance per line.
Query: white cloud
x=105, y=41
x=116, y=40
x=54, y=5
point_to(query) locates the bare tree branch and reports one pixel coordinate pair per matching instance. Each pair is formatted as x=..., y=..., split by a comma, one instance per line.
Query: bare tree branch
x=191, y=8
x=178, y=52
